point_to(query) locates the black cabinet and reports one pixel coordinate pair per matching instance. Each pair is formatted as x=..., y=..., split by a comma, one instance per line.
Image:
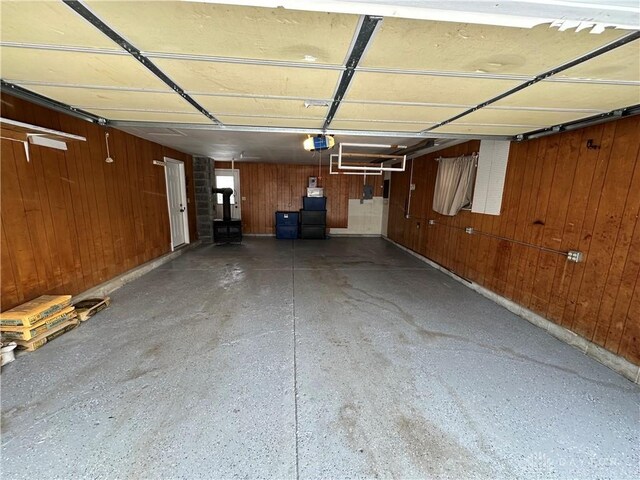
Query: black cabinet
x=314, y=203
x=313, y=224
x=229, y=231
x=313, y=217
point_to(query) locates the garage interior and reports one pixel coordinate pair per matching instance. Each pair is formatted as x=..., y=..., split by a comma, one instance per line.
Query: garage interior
x=471, y=308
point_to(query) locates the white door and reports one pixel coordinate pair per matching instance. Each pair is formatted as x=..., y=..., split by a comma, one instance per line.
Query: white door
x=177, y=200
x=228, y=178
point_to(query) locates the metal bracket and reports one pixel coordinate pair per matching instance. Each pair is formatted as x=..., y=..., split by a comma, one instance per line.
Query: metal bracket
x=575, y=256
x=369, y=24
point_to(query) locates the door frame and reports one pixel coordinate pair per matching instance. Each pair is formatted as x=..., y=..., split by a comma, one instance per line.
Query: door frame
x=183, y=194
x=235, y=172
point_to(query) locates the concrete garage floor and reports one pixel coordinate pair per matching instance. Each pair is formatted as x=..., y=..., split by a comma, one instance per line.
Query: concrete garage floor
x=347, y=358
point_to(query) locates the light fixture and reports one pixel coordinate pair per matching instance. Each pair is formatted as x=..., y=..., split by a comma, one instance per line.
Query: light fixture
x=319, y=142
x=316, y=103
x=106, y=140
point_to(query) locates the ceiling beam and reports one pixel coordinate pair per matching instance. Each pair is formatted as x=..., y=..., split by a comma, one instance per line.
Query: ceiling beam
x=581, y=123
x=368, y=26
x=630, y=37
x=88, y=15
x=38, y=99
x=302, y=131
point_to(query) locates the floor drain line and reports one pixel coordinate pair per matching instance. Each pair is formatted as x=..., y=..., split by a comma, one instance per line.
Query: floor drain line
x=295, y=368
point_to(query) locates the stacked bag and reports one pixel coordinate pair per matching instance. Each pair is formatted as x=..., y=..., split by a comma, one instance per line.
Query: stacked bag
x=38, y=321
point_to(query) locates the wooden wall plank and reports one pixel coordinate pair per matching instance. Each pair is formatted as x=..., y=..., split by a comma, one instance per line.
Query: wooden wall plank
x=71, y=221
x=270, y=187
x=590, y=213
x=610, y=209
x=14, y=220
x=620, y=255
x=10, y=288
x=560, y=195
x=630, y=339
x=555, y=220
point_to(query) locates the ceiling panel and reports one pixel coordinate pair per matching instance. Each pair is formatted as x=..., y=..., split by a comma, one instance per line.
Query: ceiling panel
x=407, y=113
x=149, y=116
x=523, y=117
x=49, y=23
x=216, y=77
x=458, y=91
x=470, y=129
x=272, y=121
x=75, y=68
x=378, y=126
x=114, y=99
x=449, y=46
x=259, y=106
x=231, y=31
x=623, y=63
x=559, y=95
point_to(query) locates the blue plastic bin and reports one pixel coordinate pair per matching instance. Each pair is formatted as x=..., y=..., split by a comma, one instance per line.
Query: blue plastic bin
x=287, y=218
x=286, y=232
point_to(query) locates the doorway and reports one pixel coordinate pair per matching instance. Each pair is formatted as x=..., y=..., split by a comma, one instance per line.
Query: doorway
x=228, y=178
x=177, y=201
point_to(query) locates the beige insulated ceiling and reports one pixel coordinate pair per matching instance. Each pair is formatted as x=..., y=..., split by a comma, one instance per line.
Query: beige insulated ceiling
x=280, y=68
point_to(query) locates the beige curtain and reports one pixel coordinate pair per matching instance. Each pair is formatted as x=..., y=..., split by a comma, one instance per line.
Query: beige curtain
x=454, y=184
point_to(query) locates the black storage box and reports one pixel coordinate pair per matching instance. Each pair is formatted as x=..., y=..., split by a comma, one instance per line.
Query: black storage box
x=313, y=217
x=314, y=203
x=315, y=232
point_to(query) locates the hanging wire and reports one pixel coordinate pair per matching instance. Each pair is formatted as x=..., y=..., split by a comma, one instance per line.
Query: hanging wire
x=106, y=140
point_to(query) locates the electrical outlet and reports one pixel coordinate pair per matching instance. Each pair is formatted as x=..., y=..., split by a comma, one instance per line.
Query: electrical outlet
x=574, y=256
x=432, y=222
x=412, y=187
x=469, y=230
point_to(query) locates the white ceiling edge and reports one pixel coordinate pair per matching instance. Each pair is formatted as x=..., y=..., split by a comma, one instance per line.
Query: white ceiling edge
x=255, y=147
x=441, y=145
x=124, y=124
x=564, y=14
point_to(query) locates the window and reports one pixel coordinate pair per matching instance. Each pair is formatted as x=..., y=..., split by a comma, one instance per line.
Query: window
x=225, y=181
x=454, y=184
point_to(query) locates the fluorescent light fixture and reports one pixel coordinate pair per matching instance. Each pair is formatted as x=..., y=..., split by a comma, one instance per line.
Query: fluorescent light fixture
x=315, y=103
x=383, y=157
x=46, y=142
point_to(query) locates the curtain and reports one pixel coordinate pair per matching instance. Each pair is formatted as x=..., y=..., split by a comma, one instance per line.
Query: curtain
x=454, y=184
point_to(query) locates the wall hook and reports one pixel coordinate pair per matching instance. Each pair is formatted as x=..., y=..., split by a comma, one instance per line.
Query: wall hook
x=591, y=145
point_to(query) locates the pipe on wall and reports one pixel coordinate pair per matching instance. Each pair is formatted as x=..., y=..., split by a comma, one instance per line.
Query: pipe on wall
x=226, y=201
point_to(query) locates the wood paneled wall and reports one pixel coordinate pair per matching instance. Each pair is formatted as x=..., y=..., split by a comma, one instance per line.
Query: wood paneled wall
x=71, y=221
x=270, y=187
x=558, y=194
